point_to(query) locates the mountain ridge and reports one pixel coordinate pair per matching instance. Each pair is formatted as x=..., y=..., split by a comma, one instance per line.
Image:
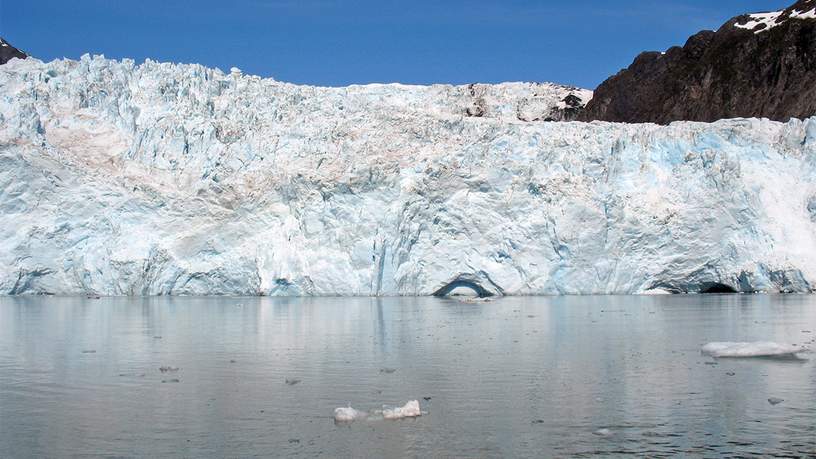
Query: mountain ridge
x=8, y=52
x=755, y=65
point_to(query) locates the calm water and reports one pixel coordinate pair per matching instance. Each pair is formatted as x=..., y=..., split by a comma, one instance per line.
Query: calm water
x=533, y=377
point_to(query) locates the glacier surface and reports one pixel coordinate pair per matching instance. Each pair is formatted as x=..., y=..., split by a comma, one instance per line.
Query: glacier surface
x=159, y=179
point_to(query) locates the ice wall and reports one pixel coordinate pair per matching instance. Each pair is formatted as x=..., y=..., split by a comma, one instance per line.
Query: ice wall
x=119, y=179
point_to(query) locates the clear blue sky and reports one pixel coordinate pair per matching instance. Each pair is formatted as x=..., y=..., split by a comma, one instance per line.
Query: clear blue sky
x=338, y=42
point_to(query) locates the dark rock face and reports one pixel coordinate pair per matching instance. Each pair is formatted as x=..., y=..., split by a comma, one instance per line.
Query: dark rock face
x=761, y=65
x=7, y=52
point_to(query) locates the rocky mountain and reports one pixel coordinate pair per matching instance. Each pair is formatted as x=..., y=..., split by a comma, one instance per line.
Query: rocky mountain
x=125, y=179
x=755, y=65
x=8, y=52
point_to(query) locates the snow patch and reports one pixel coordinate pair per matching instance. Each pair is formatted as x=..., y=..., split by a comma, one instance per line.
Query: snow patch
x=751, y=349
x=772, y=19
x=804, y=15
x=757, y=19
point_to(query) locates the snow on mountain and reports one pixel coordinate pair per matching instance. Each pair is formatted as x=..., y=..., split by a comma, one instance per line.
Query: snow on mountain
x=120, y=179
x=762, y=22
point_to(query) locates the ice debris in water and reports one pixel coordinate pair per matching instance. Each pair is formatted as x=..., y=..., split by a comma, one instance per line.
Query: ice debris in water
x=348, y=414
x=753, y=349
x=409, y=410
x=603, y=433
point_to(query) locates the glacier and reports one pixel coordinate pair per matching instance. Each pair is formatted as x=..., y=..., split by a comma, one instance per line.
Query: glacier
x=172, y=179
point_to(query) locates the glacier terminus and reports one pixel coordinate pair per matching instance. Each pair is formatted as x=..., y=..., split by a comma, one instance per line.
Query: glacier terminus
x=170, y=179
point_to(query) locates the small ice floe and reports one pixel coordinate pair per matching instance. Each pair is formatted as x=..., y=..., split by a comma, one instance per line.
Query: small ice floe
x=348, y=414
x=775, y=400
x=656, y=291
x=473, y=299
x=754, y=349
x=603, y=433
x=409, y=410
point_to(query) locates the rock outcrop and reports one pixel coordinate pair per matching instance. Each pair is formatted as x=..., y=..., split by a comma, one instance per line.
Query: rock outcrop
x=8, y=52
x=757, y=65
x=123, y=179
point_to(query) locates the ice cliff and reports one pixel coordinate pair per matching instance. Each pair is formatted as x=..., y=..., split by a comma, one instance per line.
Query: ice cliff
x=119, y=179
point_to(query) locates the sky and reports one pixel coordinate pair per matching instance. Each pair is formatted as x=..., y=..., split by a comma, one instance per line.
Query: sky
x=341, y=42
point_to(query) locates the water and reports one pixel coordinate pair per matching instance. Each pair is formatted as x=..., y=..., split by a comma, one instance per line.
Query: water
x=524, y=377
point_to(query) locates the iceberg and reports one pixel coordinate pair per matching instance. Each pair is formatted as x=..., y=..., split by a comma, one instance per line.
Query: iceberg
x=168, y=179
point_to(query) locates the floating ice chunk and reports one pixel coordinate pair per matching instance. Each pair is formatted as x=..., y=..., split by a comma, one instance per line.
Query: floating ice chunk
x=348, y=414
x=474, y=299
x=755, y=349
x=603, y=433
x=656, y=291
x=410, y=410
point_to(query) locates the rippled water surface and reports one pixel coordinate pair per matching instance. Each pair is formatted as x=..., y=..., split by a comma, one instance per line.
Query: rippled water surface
x=532, y=377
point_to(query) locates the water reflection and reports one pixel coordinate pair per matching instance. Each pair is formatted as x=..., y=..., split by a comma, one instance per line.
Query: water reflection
x=511, y=377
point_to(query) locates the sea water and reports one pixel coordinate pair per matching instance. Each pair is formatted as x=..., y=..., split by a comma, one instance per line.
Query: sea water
x=524, y=377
